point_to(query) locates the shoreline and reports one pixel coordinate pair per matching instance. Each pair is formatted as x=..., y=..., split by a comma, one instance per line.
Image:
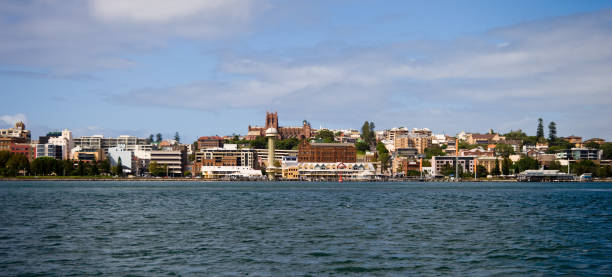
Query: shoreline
x=29, y=179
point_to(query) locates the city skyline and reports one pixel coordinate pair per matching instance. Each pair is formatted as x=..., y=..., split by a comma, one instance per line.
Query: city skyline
x=206, y=68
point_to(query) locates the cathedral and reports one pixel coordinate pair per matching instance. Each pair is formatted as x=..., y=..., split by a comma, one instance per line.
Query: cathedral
x=305, y=131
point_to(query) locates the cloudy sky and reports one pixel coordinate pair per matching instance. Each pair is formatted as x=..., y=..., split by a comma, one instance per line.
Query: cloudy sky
x=213, y=67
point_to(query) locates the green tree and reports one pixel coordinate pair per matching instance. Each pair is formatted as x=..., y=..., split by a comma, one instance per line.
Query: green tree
x=604, y=171
x=177, y=137
x=17, y=163
x=361, y=146
x=607, y=150
x=584, y=166
x=325, y=135
x=447, y=170
x=94, y=168
x=434, y=150
x=383, y=156
x=506, y=163
x=287, y=144
x=105, y=166
x=43, y=165
x=592, y=144
x=158, y=137
x=481, y=171
x=525, y=163
x=504, y=150
x=81, y=169
x=496, y=171
x=67, y=166
x=259, y=143
x=552, y=131
x=118, y=170
x=157, y=170
x=150, y=138
x=540, y=131
x=4, y=157
x=367, y=132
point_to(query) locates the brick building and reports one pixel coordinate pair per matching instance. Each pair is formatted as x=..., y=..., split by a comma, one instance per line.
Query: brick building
x=210, y=142
x=327, y=152
x=25, y=149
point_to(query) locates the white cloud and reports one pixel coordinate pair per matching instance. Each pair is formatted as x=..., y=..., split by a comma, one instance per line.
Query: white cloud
x=165, y=11
x=9, y=120
x=543, y=68
x=73, y=36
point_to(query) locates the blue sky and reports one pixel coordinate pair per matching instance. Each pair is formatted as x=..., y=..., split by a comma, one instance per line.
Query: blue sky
x=213, y=67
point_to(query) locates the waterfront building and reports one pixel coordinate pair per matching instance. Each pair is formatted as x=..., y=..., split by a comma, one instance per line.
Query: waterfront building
x=313, y=171
x=401, y=165
x=327, y=152
x=227, y=156
x=541, y=175
x=174, y=160
x=279, y=154
x=79, y=155
x=489, y=162
x=229, y=172
x=466, y=163
x=303, y=132
x=25, y=149
x=49, y=150
x=96, y=142
x=63, y=139
x=127, y=158
x=210, y=142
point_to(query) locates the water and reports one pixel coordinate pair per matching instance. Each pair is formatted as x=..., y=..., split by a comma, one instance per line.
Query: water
x=301, y=229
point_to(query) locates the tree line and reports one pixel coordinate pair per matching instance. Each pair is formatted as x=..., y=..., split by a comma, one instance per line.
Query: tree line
x=12, y=164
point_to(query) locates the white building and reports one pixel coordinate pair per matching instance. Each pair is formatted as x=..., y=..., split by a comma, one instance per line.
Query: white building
x=333, y=171
x=229, y=172
x=65, y=141
x=126, y=156
x=172, y=159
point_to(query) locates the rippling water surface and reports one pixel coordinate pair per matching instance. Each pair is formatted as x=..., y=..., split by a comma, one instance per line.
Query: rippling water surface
x=171, y=228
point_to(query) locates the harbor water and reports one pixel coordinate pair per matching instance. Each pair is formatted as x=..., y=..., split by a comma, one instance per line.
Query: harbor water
x=305, y=229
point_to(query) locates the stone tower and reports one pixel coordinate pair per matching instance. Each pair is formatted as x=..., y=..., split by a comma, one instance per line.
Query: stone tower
x=271, y=134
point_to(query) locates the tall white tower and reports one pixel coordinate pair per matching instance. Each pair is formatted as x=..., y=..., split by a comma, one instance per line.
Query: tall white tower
x=271, y=134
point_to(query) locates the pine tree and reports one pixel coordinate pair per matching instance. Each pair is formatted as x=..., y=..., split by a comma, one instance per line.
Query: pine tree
x=540, y=132
x=506, y=166
x=552, y=131
x=495, y=171
x=119, y=168
x=158, y=137
x=365, y=132
x=177, y=137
